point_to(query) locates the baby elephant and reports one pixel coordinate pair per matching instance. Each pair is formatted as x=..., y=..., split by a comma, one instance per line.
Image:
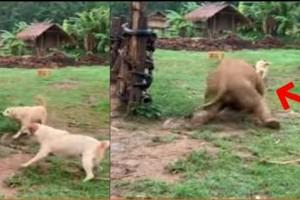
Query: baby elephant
x=27, y=114
x=235, y=85
x=62, y=142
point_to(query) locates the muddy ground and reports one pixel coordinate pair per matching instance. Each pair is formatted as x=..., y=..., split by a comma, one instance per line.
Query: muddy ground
x=55, y=60
x=229, y=43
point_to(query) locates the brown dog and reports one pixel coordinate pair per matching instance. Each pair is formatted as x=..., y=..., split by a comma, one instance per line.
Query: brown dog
x=215, y=55
x=27, y=114
x=44, y=72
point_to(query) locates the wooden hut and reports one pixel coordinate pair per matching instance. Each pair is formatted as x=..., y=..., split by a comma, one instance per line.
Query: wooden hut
x=43, y=36
x=217, y=17
x=157, y=21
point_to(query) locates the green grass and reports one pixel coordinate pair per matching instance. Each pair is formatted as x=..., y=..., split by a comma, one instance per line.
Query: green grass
x=85, y=101
x=178, y=89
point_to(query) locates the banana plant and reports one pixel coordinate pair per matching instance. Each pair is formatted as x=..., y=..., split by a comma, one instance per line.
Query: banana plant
x=178, y=25
x=10, y=44
x=284, y=16
x=90, y=28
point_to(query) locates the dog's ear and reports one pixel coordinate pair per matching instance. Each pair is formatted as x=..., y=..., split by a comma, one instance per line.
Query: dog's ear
x=33, y=128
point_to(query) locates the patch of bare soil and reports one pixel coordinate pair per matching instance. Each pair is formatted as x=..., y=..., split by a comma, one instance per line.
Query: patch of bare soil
x=53, y=60
x=8, y=167
x=12, y=154
x=137, y=155
x=244, y=153
x=227, y=43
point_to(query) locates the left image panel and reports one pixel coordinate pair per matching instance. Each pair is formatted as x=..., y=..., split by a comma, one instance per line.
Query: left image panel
x=54, y=100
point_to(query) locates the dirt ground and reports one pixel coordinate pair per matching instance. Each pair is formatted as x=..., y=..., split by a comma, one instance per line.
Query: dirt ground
x=8, y=167
x=51, y=61
x=138, y=152
x=229, y=43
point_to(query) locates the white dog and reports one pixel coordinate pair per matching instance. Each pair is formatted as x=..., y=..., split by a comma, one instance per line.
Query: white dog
x=62, y=142
x=27, y=114
x=262, y=68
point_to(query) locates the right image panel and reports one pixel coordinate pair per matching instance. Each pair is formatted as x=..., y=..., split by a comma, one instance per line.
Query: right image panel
x=205, y=99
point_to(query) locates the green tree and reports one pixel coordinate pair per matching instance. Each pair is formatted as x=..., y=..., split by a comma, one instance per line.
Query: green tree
x=11, y=12
x=9, y=43
x=179, y=26
x=280, y=18
x=90, y=29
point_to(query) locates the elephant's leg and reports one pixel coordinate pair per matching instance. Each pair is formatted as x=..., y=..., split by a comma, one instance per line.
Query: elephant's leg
x=252, y=102
x=264, y=114
x=204, y=116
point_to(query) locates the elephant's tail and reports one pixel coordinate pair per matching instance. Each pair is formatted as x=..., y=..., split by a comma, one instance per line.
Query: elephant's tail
x=217, y=98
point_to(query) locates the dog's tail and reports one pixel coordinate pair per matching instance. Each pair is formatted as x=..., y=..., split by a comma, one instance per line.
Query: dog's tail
x=41, y=100
x=103, y=145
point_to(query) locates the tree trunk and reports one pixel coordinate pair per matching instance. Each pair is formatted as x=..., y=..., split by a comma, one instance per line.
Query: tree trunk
x=89, y=42
x=137, y=51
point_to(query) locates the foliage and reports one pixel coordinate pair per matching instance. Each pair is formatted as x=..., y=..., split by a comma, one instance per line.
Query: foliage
x=90, y=29
x=149, y=111
x=122, y=8
x=9, y=43
x=179, y=26
x=14, y=11
x=285, y=16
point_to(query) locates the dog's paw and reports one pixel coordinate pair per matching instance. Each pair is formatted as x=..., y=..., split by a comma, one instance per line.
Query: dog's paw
x=15, y=137
x=88, y=178
x=24, y=165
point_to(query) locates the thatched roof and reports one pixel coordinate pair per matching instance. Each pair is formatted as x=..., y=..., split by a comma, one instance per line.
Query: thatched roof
x=157, y=20
x=37, y=29
x=157, y=14
x=209, y=10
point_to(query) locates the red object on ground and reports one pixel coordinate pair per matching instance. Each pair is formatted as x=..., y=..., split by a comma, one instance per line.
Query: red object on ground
x=283, y=93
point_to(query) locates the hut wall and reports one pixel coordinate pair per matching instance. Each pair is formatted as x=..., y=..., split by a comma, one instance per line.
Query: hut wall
x=156, y=24
x=51, y=40
x=222, y=22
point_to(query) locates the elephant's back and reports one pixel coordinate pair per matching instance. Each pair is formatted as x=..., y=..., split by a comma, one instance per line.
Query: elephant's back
x=235, y=70
x=235, y=66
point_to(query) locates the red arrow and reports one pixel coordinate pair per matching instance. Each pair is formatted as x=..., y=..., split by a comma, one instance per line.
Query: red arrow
x=283, y=93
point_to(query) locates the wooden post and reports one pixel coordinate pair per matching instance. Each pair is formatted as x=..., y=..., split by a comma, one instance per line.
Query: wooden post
x=132, y=63
x=137, y=51
x=214, y=25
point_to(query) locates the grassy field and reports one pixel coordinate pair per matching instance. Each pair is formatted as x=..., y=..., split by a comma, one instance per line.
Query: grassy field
x=237, y=170
x=77, y=100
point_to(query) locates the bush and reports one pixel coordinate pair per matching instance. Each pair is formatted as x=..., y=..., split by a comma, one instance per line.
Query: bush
x=9, y=43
